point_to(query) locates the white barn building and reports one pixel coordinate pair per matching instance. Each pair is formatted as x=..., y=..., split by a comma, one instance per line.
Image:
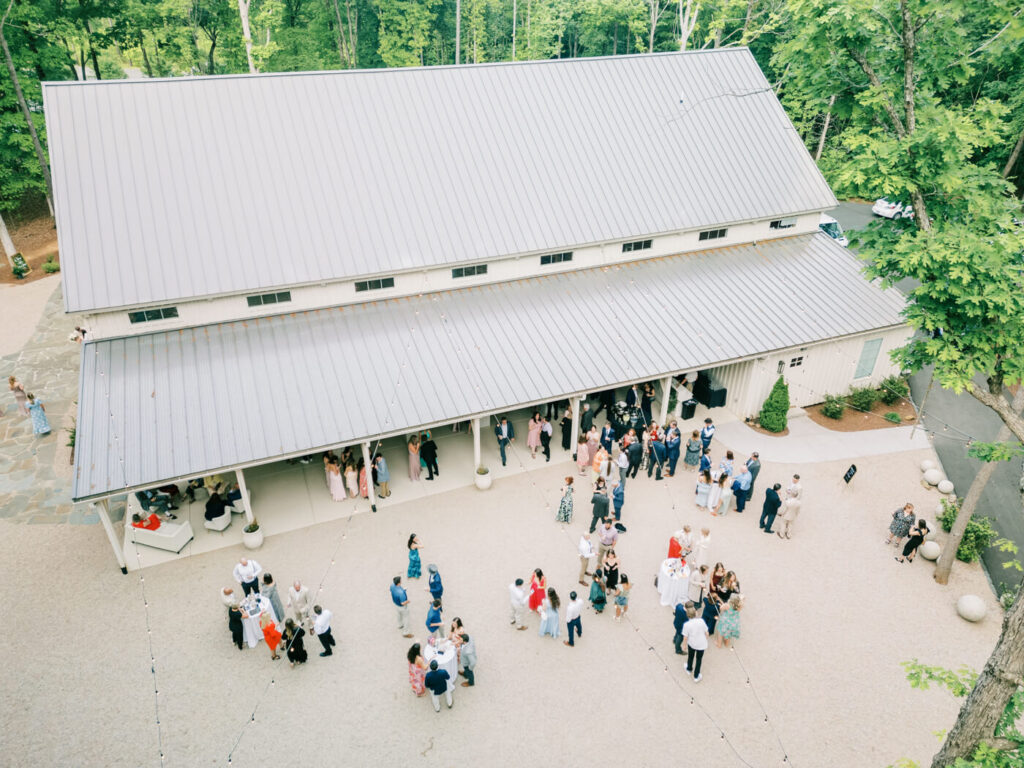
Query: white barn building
x=275, y=265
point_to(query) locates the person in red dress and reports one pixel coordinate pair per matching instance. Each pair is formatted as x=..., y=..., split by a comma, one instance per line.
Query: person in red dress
x=675, y=547
x=538, y=589
x=151, y=523
x=270, y=633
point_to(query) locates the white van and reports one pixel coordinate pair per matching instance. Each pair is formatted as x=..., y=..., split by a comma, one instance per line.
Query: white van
x=831, y=227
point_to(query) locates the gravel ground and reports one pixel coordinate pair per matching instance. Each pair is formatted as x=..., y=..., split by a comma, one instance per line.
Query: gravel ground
x=828, y=618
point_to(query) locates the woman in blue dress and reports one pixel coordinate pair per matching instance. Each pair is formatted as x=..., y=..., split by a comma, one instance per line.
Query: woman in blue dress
x=414, y=558
x=703, y=488
x=549, y=610
x=36, y=412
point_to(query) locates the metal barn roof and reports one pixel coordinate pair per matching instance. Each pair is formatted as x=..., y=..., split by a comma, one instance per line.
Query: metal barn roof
x=190, y=187
x=182, y=403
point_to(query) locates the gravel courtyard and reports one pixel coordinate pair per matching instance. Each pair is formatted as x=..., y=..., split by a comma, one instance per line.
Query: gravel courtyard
x=827, y=620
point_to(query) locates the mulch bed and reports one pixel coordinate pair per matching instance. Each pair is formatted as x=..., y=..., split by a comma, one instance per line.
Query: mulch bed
x=855, y=421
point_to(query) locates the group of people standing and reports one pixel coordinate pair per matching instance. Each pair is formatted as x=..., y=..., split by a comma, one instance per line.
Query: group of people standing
x=905, y=524
x=278, y=627
x=714, y=603
x=29, y=405
x=347, y=476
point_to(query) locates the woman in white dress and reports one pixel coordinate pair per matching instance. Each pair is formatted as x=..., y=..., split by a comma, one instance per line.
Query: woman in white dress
x=698, y=584
x=335, y=482
x=702, y=546
x=715, y=494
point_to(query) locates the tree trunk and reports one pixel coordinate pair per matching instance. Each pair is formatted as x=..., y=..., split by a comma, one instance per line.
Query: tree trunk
x=824, y=128
x=7, y=243
x=945, y=564
x=687, y=22
x=515, y=8
x=70, y=58
x=40, y=155
x=209, y=56
x=655, y=6
x=243, y=14
x=458, y=30
x=145, y=57
x=986, y=703
x=1013, y=156
x=353, y=33
x=342, y=54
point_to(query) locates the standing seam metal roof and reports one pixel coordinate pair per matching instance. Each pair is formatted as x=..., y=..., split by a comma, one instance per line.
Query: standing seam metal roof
x=189, y=187
x=185, y=402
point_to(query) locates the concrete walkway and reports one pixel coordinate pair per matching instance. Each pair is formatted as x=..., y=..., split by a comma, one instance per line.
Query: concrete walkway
x=809, y=442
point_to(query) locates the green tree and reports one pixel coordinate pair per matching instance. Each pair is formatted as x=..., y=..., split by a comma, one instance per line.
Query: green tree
x=404, y=30
x=774, y=412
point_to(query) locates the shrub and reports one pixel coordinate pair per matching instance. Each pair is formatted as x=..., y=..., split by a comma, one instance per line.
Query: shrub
x=673, y=398
x=775, y=408
x=893, y=417
x=51, y=266
x=894, y=389
x=978, y=536
x=862, y=398
x=834, y=406
x=252, y=527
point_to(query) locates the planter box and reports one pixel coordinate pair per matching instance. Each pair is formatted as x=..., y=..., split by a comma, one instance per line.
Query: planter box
x=483, y=482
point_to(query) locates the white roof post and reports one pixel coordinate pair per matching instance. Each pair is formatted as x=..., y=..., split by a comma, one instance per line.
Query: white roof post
x=369, y=475
x=101, y=507
x=245, y=496
x=476, y=444
x=576, y=404
x=666, y=388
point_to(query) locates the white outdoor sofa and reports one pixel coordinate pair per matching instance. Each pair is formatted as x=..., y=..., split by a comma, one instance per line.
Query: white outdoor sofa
x=171, y=535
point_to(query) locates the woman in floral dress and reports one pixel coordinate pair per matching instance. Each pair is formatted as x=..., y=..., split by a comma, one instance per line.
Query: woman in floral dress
x=729, y=622
x=565, y=505
x=417, y=670
x=36, y=411
x=693, y=445
x=902, y=519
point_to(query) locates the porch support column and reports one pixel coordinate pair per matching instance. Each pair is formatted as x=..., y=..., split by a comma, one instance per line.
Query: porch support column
x=369, y=476
x=104, y=513
x=577, y=403
x=476, y=444
x=666, y=387
x=245, y=496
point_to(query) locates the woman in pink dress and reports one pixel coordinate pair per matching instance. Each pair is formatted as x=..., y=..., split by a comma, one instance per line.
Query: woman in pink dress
x=533, y=434
x=352, y=480
x=335, y=484
x=414, y=457
x=364, y=489
x=417, y=670
x=582, y=455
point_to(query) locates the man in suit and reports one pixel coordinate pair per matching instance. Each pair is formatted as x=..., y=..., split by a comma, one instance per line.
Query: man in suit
x=753, y=466
x=545, y=437
x=607, y=435
x=607, y=400
x=636, y=457
x=672, y=440
x=506, y=434
x=657, y=458
x=586, y=418
x=600, y=501
x=428, y=452
x=632, y=398
x=772, y=502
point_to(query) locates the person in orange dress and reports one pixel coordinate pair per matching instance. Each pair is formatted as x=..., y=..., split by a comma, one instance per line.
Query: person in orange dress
x=364, y=489
x=538, y=589
x=270, y=633
x=150, y=523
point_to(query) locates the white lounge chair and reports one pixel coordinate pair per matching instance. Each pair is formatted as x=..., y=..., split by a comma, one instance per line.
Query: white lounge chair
x=171, y=536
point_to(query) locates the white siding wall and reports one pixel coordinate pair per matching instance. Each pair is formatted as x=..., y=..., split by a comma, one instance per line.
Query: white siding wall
x=827, y=369
x=226, y=308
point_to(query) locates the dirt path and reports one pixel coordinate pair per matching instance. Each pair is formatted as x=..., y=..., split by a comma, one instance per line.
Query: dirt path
x=36, y=240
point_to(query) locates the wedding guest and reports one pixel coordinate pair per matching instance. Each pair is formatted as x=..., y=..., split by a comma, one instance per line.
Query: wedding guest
x=715, y=494
x=618, y=497
x=707, y=432
x=741, y=483
x=599, y=508
x=545, y=437
x=622, y=597
x=772, y=502
x=247, y=574
x=434, y=584
x=269, y=589
x=351, y=480
x=293, y=643
x=413, y=545
x=270, y=634
x=549, y=615
x=622, y=462
x=680, y=614
x=917, y=536
x=635, y=452
x=37, y=413
x=383, y=474
x=20, y=398
x=729, y=622
x=565, y=505
x=754, y=467
x=300, y=603
x=673, y=438
x=467, y=657
x=215, y=506
x=902, y=519
x=400, y=599
x=505, y=434
x=228, y=597
x=235, y=624
x=364, y=489
x=693, y=449
x=572, y=618
x=725, y=466
x=538, y=584
x=703, y=488
x=586, y=418
x=322, y=629
x=695, y=633
x=698, y=584
x=702, y=546
x=437, y=682
x=586, y=550
x=335, y=482
x=414, y=457
x=582, y=454
x=566, y=426
x=607, y=536
x=533, y=434
x=598, y=593
x=435, y=625
x=790, y=510
x=610, y=567
x=428, y=455
x=417, y=670
x=686, y=542
x=704, y=461
x=517, y=597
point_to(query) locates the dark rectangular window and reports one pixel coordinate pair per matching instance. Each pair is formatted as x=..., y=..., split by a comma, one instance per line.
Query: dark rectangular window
x=269, y=298
x=712, y=234
x=636, y=245
x=787, y=223
x=556, y=258
x=477, y=269
x=375, y=285
x=146, y=315
x=796, y=361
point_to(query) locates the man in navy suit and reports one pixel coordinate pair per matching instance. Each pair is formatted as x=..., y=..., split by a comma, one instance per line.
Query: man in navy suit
x=607, y=435
x=506, y=434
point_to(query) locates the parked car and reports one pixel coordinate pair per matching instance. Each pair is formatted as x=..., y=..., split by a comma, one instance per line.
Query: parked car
x=884, y=208
x=832, y=228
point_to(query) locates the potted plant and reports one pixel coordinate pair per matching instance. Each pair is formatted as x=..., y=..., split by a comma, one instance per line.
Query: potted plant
x=252, y=535
x=483, y=478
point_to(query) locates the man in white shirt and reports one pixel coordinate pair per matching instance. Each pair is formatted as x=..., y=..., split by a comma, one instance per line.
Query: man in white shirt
x=229, y=597
x=300, y=604
x=246, y=573
x=695, y=635
x=795, y=490
x=586, y=552
x=518, y=599
x=623, y=462
x=572, y=618
x=322, y=628
x=545, y=437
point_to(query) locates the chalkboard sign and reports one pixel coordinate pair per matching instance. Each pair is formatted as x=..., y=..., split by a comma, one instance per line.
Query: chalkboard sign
x=850, y=473
x=20, y=265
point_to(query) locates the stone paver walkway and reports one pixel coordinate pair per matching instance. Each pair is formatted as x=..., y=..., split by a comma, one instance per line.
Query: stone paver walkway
x=36, y=471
